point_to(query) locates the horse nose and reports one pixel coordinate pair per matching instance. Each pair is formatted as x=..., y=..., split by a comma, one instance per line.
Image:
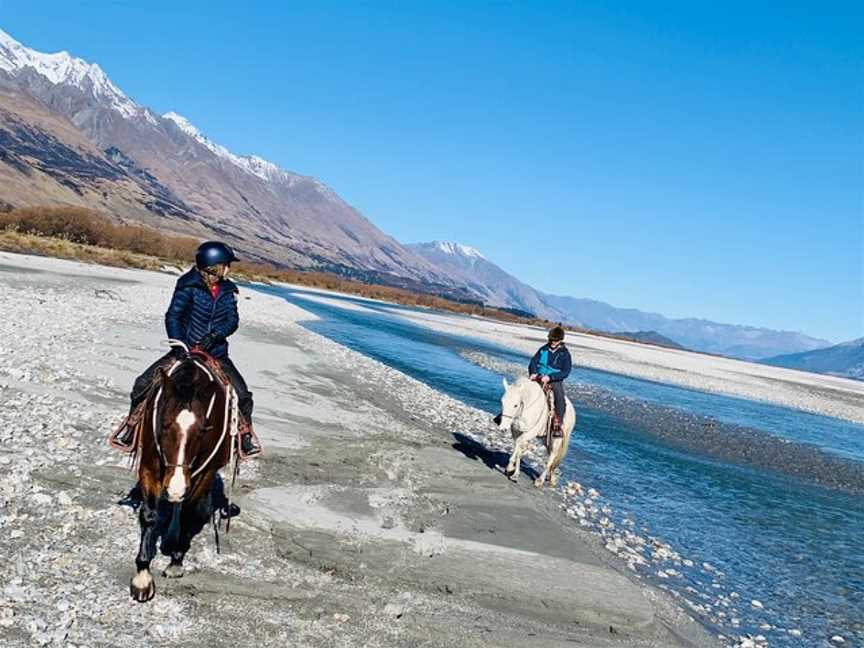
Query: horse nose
x=176, y=489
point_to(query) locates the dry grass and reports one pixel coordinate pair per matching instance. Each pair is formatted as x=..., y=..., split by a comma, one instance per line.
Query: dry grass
x=87, y=227
x=12, y=241
x=85, y=235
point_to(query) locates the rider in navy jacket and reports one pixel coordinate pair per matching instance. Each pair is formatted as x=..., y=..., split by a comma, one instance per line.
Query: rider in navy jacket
x=203, y=314
x=195, y=315
x=552, y=364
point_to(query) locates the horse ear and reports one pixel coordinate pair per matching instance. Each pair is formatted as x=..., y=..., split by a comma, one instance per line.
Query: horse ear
x=165, y=381
x=505, y=383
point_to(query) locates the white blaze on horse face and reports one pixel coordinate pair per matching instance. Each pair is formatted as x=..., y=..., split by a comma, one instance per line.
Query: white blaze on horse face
x=177, y=486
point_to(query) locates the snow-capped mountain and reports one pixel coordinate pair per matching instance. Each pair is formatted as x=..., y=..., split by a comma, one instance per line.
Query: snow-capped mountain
x=61, y=68
x=253, y=164
x=457, y=250
x=48, y=100
x=490, y=283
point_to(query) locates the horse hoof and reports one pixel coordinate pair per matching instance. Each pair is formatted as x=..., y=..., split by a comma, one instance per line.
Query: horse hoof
x=144, y=593
x=509, y=472
x=538, y=483
x=174, y=571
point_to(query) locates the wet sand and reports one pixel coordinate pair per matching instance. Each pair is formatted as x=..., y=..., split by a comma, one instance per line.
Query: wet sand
x=377, y=517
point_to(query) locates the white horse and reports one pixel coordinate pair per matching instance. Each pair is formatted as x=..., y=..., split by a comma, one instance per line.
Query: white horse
x=525, y=414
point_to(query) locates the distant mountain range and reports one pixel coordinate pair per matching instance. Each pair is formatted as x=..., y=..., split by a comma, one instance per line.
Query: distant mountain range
x=495, y=286
x=69, y=136
x=845, y=360
x=651, y=337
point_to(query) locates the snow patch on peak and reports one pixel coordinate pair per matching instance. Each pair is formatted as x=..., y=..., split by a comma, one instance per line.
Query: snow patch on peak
x=253, y=164
x=63, y=68
x=184, y=124
x=448, y=247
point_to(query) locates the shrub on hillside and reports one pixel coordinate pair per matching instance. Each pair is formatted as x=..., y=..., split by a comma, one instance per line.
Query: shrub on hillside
x=119, y=243
x=85, y=226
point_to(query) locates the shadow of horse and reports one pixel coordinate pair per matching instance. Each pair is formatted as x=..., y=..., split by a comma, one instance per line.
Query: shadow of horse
x=494, y=459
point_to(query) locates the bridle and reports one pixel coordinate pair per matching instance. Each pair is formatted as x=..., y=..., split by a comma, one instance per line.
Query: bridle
x=522, y=409
x=228, y=419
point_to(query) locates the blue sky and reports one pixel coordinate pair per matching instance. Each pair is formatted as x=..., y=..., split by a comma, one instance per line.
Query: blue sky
x=694, y=159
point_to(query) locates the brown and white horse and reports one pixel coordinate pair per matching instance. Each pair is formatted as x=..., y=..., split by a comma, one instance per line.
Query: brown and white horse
x=186, y=439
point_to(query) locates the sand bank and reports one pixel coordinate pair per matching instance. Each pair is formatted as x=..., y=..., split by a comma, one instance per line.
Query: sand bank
x=374, y=518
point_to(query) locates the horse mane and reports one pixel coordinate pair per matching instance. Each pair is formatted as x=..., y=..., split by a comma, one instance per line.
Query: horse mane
x=524, y=381
x=186, y=384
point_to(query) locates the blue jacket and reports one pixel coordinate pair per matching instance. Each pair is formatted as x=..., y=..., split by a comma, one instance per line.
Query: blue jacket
x=555, y=364
x=194, y=313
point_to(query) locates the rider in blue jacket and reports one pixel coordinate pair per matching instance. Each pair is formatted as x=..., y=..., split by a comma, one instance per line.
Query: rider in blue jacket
x=550, y=366
x=202, y=314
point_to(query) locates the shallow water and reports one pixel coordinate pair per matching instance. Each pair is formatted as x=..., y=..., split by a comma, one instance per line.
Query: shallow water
x=775, y=537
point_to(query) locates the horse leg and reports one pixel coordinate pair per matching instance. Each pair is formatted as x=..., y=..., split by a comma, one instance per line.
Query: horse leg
x=194, y=517
x=176, y=542
x=513, y=466
x=561, y=445
x=142, y=588
x=551, y=465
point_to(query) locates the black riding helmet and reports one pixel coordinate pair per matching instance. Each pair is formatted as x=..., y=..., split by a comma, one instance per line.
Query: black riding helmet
x=556, y=334
x=212, y=253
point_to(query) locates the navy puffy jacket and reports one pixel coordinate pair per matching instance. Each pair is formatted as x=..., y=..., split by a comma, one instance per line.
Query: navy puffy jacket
x=553, y=363
x=194, y=313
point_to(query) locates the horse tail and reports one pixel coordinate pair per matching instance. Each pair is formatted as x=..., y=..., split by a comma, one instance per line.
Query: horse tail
x=565, y=442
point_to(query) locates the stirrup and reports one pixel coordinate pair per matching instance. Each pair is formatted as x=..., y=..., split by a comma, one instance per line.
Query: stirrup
x=125, y=436
x=248, y=444
x=557, y=429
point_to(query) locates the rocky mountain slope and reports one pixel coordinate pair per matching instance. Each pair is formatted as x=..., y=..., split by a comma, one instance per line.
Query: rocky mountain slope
x=70, y=135
x=490, y=283
x=845, y=360
x=651, y=337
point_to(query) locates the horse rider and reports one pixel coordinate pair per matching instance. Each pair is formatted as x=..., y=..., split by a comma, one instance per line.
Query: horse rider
x=202, y=314
x=550, y=366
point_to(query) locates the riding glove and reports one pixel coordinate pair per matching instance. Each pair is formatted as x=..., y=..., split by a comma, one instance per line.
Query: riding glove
x=208, y=341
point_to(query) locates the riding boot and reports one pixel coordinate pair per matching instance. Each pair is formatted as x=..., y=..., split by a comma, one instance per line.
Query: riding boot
x=125, y=437
x=556, y=426
x=127, y=434
x=247, y=439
